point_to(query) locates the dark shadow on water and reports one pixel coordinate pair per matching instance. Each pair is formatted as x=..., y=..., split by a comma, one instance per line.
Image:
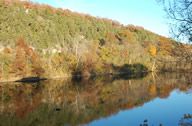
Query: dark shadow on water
x=77, y=76
x=130, y=68
x=31, y=80
x=126, y=76
x=125, y=72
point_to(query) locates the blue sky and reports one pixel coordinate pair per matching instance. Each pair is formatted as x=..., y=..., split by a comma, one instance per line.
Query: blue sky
x=146, y=13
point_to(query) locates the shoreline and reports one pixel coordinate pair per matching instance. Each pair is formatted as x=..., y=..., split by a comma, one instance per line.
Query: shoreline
x=115, y=74
x=37, y=79
x=17, y=79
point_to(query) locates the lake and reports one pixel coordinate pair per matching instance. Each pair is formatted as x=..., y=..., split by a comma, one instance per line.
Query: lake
x=154, y=100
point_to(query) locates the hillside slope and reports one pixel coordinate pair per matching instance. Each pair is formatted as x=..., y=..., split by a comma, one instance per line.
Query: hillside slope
x=38, y=40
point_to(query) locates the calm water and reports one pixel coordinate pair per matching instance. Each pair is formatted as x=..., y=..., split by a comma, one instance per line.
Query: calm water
x=164, y=99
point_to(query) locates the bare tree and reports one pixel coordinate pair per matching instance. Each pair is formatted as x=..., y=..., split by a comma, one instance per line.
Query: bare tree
x=180, y=13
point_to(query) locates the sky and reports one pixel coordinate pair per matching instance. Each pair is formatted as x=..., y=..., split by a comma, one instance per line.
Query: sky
x=146, y=13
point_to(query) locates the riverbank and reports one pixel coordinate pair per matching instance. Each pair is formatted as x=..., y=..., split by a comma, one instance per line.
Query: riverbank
x=124, y=71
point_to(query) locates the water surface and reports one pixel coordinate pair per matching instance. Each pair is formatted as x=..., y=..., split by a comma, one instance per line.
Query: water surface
x=155, y=100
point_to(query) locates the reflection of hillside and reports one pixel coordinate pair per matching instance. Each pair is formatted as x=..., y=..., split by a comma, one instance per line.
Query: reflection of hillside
x=63, y=102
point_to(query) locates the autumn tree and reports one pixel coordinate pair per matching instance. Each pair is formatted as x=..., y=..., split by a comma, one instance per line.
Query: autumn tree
x=179, y=13
x=36, y=64
x=153, y=52
x=165, y=45
x=24, y=57
x=19, y=65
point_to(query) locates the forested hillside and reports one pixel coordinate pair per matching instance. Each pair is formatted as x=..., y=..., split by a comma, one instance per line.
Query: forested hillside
x=39, y=40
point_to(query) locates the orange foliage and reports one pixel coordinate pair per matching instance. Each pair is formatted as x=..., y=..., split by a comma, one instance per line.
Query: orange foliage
x=124, y=53
x=7, y=50
x=165, y=90
x=127, y=35
x=19, y=66
x=111, y=37
x=152, y=90
x=22, y=106
x=24, y=54
x=165, y=44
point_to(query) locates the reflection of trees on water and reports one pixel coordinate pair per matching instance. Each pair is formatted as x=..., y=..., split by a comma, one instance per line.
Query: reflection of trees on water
x=146, y=123
x=186, y=120
x=63, y=102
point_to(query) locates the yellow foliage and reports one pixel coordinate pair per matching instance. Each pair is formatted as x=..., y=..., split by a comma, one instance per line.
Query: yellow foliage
x=153, y=50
